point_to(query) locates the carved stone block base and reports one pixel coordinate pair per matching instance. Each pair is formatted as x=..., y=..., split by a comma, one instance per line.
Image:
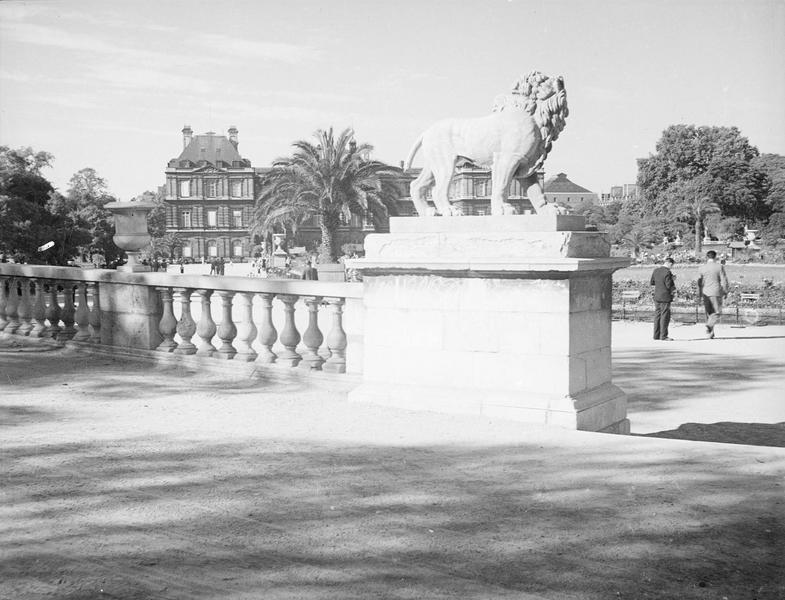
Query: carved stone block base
x=601, y=409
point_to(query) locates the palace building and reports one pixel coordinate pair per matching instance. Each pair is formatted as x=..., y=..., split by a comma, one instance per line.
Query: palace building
x=209, y=196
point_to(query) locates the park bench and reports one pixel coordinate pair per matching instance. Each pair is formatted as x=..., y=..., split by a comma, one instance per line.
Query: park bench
x=631, y=296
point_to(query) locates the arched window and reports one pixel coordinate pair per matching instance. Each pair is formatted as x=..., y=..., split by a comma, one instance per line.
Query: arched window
x=212, y=248
x=187, y=251
x=237, y=248
x=185, y=188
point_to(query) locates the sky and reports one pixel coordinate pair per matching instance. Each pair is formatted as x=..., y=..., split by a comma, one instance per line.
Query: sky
x=110, y=84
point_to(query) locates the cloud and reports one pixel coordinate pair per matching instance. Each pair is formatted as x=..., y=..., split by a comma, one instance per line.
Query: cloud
x=276, y=51
x=19, y=11
x=70, y=100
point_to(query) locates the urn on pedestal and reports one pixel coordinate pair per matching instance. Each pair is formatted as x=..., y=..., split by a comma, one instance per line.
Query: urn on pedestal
x=131, y=233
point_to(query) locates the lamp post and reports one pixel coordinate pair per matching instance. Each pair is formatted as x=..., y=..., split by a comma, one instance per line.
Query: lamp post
x=130, y=221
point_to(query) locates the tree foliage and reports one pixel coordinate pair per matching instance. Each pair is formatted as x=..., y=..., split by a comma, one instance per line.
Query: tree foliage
x=330, y=180
x=720, y=158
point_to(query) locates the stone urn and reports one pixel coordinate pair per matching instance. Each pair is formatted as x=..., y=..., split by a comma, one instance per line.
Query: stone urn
x=280, y=254
x=130, y=223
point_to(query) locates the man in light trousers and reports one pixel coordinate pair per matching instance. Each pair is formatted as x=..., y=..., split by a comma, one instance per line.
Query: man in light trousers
x=712, y=288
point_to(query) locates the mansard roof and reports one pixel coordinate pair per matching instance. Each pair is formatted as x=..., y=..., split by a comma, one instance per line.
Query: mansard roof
x=561, y=185
x=212, y=148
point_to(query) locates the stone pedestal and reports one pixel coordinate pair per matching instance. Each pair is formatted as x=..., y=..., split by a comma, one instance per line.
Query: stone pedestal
x=501, y=316
x=331, y=272
x=130, y=315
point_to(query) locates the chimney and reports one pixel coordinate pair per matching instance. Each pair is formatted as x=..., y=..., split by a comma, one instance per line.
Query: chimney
x=233, y=135
x=187, y=135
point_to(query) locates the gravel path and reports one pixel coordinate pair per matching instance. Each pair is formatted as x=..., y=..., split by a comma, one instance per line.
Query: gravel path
x=122, y=480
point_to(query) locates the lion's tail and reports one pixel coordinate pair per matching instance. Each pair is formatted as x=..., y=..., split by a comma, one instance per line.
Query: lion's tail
x=414, y=150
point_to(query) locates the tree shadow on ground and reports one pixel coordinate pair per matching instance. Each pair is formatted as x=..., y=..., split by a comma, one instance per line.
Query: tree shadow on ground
x=282, y=519
x=756, y=434
x=653, y=379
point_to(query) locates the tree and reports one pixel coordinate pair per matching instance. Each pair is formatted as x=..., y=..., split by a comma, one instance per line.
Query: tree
x=156, y=218
x=721, y=155
x=22, y=160
x=329, y=180
x=86, y=199
x=25, y=221
x=167, y=245
x=773, y=165
x=691, y=202
x=639, y=237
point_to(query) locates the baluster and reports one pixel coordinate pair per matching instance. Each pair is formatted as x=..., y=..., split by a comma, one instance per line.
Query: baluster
x=11, y=306
x=289, y=337
x=82, y=314
x=313, y=338
x=186, y=327
x=336, y=339
x=53, y=311
x=206, y=328
x=267, y=332
x=24, y=311
x=67, y=313
x=168, y=324
x=3, y=301
x=226, y=330
x=39, y=311
x=246, y=330
x=94, y=318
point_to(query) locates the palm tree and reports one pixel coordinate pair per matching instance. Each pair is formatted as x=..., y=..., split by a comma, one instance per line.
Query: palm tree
x=329, y=180
x=697, y=207
x=639, y=237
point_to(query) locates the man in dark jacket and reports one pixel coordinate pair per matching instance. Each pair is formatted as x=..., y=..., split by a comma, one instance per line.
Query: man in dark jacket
x=664, y=290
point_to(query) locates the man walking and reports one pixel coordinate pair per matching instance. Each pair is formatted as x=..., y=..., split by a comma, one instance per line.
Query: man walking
x=712, y=288
x=664, y=290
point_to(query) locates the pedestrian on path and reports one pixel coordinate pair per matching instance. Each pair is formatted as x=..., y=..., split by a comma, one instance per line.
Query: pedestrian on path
x=664, y=289
x=712, y=289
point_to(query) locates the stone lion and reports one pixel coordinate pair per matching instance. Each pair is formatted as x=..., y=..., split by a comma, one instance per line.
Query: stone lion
x=516, y=137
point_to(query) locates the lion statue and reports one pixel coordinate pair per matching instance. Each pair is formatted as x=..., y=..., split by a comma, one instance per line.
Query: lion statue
x=515, y=138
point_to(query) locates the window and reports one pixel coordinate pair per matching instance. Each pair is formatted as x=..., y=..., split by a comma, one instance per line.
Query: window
x=185, y=189
x=237, y=249
x=187, y=251
x=185, y=219
x=211, y=188
x=237, y=189
x=212, y=218
x=237, y=217
x=212, y=248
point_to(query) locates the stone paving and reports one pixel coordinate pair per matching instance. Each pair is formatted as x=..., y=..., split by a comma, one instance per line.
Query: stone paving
x=124, y=480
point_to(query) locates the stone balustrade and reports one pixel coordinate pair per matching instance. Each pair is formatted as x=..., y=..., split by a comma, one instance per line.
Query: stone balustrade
x=313, y=325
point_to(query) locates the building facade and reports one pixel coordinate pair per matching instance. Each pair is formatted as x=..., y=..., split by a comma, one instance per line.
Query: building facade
x=470, y=191
x=561, y=190
x=209, y=196
x=620, y=193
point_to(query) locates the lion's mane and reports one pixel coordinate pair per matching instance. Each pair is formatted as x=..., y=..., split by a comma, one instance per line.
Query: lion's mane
x=545, y=99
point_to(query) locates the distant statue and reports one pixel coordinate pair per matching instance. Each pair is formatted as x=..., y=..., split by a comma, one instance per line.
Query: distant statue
x=515, y=138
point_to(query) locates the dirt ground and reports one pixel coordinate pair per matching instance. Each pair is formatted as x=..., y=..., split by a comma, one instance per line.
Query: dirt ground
x=126, y=480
